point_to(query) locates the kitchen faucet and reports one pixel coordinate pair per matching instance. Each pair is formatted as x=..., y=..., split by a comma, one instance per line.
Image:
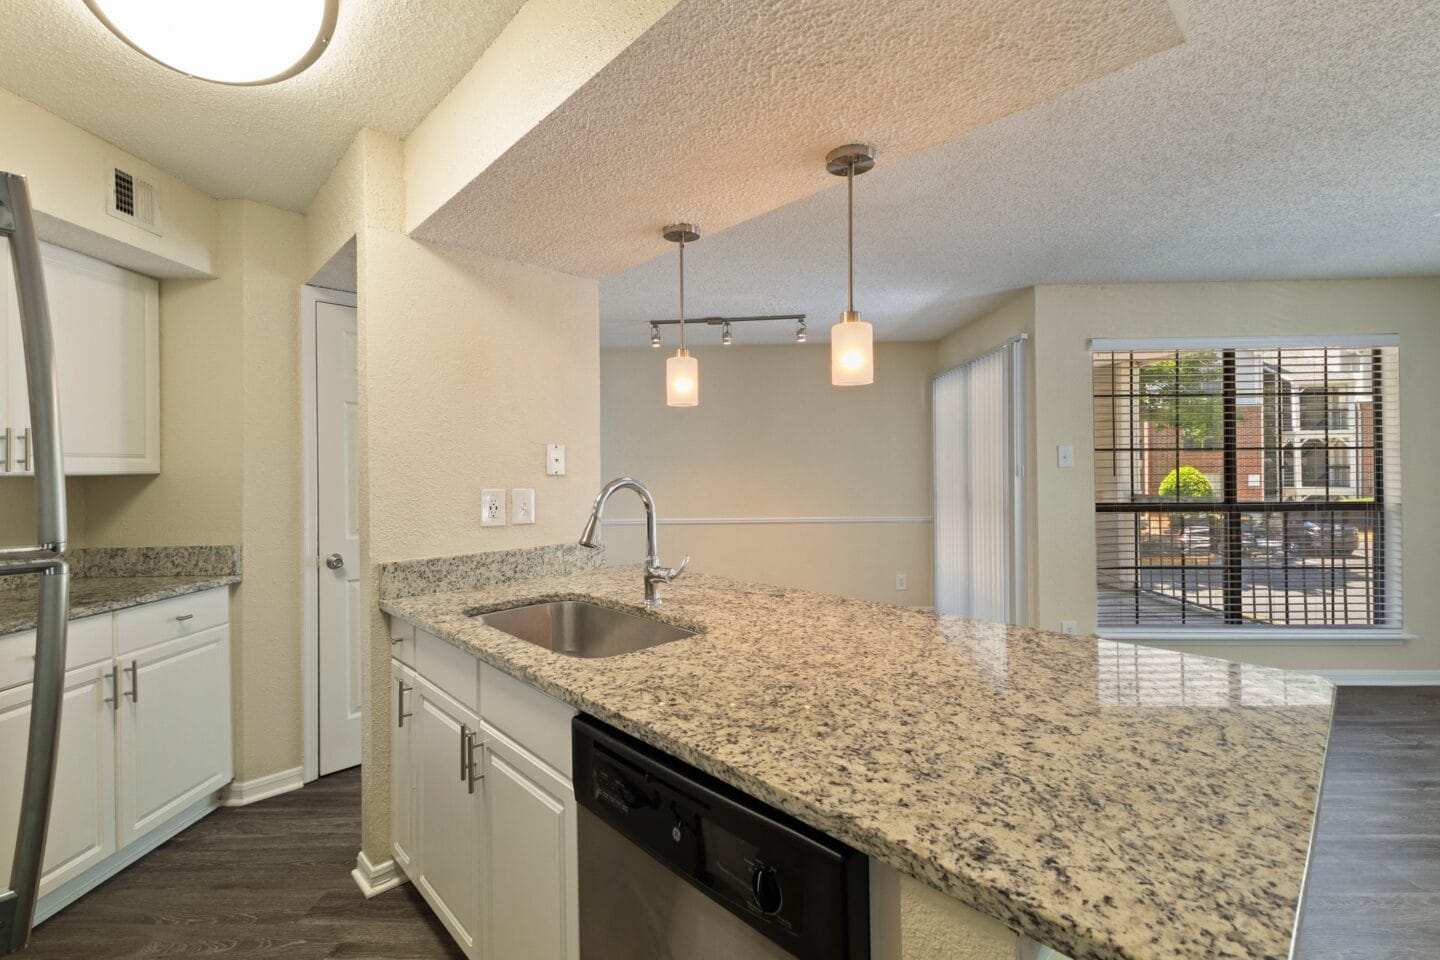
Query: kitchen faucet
x=655, y=573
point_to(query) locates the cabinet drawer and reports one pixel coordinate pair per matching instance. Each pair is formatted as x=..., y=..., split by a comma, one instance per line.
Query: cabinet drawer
x=402, y=640
x=168, y=619
x=536, y=721
x=87, y=641
x=448, y=667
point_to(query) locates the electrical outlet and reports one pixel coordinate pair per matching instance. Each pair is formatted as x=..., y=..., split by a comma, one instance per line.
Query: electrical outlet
x=492, y=508
x=555, y=459
x=902, y=582
x=522, y=505
x=1070, y=626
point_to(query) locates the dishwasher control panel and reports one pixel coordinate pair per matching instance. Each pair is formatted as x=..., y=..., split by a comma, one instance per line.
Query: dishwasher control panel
x=803, y=890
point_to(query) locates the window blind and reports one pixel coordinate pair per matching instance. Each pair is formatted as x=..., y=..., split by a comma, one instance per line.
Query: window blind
x=1247, y=486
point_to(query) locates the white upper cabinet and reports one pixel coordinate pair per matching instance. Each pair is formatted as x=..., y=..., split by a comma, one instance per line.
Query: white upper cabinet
x=106, y=324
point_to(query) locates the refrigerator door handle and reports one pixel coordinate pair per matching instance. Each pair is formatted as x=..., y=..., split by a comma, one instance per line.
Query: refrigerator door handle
x=43, y=455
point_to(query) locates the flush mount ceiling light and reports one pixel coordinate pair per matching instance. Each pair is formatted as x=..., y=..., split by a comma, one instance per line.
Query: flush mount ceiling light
x=239, y=42
x=682, y=372
x=852, y=341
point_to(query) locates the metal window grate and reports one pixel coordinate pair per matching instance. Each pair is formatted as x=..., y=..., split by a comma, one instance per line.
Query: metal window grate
x=1247, y=487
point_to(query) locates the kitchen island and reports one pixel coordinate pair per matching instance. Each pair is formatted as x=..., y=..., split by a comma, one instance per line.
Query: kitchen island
x=1111, y=801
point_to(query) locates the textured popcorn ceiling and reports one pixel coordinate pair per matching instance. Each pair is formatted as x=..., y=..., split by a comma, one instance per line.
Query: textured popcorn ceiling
x=1282, y=140
x=725, y=109
x=389, y=63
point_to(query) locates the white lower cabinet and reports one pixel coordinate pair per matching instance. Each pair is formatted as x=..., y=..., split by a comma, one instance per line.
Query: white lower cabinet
x=449, y=822
x=484, y=826
x=82, y=816
x=167, y=764
x=144, y=740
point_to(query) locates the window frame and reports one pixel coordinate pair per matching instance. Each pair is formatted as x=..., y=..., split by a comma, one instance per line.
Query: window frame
x=1232, y=510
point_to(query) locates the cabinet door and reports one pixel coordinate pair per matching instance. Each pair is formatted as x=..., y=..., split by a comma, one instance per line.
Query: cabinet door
x=532, y=884
x=402, y=766
x=82, y=815
x=174, y=728
x=448, y=813
x=107, y=353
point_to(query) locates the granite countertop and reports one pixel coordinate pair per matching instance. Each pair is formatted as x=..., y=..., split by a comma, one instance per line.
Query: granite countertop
x=95, y=595
x=1112, y=801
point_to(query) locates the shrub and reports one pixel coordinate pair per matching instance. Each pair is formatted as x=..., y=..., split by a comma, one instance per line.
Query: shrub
x=1186, y=482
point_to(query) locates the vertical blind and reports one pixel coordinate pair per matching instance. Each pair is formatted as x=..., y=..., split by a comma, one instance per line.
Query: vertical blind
x=1247, y=485
x=979, y=467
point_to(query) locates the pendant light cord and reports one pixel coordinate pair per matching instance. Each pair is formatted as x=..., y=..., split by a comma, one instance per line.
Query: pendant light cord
x=682, y=296
x=850, y=205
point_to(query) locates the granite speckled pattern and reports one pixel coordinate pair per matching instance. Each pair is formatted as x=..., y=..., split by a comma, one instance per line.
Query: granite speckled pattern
x=1087, y=798
x=104, y=579
x=472, y=571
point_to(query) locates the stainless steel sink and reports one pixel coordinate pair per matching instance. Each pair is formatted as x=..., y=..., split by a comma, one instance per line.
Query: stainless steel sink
x=578, y=629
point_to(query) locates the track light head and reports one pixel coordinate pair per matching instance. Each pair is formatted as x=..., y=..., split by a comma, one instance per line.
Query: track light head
x=800, y=332
x=654, y=335
x=725, y=335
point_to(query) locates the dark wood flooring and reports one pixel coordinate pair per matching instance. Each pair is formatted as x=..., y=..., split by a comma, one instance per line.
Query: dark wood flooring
x=1374, y=886
x=273, y=879
x=268, y=880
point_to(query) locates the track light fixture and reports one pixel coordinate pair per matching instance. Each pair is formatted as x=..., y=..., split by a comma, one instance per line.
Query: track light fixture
x=654, y=335
x=725, y=334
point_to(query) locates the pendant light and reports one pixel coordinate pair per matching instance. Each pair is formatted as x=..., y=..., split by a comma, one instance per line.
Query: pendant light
x=852, y=340
x=682, y=372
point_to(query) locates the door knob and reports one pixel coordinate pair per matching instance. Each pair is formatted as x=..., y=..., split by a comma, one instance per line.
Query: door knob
x=334, y=561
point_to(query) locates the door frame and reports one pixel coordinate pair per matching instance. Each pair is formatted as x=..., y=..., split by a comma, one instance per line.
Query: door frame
x=310, y=297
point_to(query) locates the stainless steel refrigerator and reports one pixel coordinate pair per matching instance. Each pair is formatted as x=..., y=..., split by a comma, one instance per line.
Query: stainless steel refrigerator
x=45, y=560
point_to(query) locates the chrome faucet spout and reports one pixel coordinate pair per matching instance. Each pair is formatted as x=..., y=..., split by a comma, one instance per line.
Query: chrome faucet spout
x=655, y=572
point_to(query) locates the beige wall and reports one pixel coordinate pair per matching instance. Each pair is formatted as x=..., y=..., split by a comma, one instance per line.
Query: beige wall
x=69, y=172
x=772, y=438
x=230, y=463
x=1068, y=316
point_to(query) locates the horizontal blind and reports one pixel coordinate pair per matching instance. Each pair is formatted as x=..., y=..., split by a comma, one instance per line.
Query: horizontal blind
x=1248, y=486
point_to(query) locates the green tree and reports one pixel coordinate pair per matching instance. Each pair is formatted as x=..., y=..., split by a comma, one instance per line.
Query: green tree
x=1184, y=394
x=1187, y=483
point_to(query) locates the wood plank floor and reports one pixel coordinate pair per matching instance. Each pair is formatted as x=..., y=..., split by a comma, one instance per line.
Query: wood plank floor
x=268, y=880
x=1374, y=887
x=273, y=879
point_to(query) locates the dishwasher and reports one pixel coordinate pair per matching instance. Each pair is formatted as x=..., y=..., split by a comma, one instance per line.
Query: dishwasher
x=676, y=865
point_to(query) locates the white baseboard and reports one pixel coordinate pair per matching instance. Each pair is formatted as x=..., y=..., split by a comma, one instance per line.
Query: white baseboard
x=1380, y=678
x=240, y=794
x=375, y=879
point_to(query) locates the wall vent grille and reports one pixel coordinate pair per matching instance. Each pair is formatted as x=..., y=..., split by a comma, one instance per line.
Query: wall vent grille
x=133, y=200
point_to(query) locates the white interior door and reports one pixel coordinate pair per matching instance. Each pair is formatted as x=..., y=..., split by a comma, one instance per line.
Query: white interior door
x=337, y=475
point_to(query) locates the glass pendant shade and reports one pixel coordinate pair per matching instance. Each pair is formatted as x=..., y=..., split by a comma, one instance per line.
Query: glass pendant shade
x=852, y=351
x=224, y=41
x=682, y=380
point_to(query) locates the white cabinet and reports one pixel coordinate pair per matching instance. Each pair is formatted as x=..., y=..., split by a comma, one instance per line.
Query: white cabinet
x=530, y=855
x=402, y=769
x=449, y=823
x=144, y=741
x=483, y=810
x=174, y=729
x=106, y=327
x=82, y=814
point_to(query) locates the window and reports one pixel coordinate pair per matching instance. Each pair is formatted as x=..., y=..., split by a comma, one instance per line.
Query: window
x=1247, y=485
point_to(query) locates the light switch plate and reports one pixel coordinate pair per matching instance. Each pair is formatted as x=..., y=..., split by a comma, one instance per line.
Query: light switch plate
x=522, y=505
x=1065, y=455
x=902, y=582
x=555, y=459
x=492, y=508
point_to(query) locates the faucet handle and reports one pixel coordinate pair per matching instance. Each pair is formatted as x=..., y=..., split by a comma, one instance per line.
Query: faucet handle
x=668, y=574
x=680, y=569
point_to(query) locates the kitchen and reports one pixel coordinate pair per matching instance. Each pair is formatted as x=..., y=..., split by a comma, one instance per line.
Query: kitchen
x=349, y=366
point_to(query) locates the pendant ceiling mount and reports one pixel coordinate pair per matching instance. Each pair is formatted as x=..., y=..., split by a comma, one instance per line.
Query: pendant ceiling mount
x=860, y=156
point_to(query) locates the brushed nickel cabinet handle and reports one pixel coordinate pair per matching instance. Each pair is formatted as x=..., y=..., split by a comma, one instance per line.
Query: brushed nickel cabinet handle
x=476, y=769
x=185, y=616
x=25, y=448
x=5, y=456
x=114, y=698
x=400, y=707
x=134, y=671
x=464, y=753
